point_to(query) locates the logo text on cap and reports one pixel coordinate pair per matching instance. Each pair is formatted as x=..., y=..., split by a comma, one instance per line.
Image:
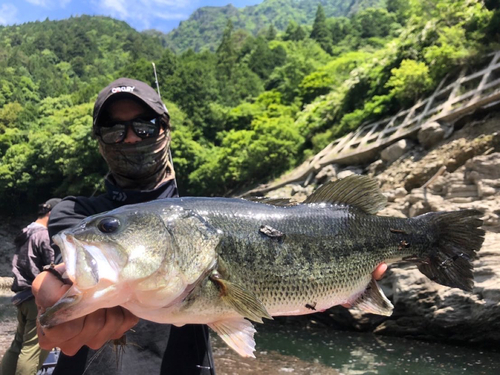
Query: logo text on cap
x=114, y=90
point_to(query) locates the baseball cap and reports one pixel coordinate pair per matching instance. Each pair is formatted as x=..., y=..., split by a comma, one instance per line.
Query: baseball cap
x=127, y=87
x=48, y=206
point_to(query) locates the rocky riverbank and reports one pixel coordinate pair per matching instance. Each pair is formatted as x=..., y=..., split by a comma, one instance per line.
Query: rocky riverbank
x=459, y=172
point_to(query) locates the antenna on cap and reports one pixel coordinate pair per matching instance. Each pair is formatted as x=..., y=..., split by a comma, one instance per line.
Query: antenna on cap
x=169, y=151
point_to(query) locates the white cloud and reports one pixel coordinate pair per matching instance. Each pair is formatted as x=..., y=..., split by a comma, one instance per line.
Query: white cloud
x=49, y=3
x=8, y=14
x=173, y=16
x=179, y=4
x=116, y=8
x=142, y=13
x=41, y=3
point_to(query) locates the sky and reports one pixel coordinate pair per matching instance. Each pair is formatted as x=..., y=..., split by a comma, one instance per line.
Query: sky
x=163, y=15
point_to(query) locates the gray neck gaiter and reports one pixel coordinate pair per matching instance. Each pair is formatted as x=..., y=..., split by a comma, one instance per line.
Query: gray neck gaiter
x=139, y=166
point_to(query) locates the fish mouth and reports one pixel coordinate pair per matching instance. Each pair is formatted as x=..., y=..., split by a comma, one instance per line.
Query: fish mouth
x=86, y=263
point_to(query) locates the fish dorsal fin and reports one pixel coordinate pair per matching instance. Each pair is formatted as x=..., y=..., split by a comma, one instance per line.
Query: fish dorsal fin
x=238, y=334
x=358, y=191
x=374, y=301
x=242, y=301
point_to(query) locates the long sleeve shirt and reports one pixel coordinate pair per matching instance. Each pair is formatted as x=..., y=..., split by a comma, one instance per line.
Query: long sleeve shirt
x=33, y=252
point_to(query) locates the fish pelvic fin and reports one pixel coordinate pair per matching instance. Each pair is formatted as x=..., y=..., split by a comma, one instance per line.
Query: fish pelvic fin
x=238, y=334
x=459, y=237
x=242, y=301
x=374, y=301
x=358, y=191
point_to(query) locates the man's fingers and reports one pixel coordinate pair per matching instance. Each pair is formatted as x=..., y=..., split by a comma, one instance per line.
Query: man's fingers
x=60, y=334
x=92, y=325
x=113, y=320
x=93, y=330
x=379, y=271
x=47, y=289
x=129, y=320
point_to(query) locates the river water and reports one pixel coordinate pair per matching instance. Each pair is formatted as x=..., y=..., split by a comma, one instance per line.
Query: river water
x=284, y=349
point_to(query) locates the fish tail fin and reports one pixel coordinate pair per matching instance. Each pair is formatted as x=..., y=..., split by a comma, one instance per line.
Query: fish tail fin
x=458, y=238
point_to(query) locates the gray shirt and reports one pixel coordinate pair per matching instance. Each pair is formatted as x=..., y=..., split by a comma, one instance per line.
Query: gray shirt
x=33, y=252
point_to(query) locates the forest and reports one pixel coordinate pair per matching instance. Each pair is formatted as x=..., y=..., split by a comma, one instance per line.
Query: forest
x=243, y=113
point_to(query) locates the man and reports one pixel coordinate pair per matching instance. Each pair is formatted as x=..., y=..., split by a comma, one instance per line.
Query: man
x=132, y=126
x=133, y=130
x=33, y=252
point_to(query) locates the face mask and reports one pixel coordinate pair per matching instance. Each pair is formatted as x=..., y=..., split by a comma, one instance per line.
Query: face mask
x=139, y=166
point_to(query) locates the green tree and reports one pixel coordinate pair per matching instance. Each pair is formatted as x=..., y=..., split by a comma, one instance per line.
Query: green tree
x=226, y=56
x=340, y=28
x=271, y=33
x=193, y=88
x=294, y=32
x=320, y=32
x=409, y=81
x=263, y=60
x=401, y=8
x=373, y=22
x=9, y=114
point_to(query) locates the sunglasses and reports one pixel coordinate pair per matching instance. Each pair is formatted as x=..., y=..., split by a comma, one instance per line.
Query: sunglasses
x=116, y=131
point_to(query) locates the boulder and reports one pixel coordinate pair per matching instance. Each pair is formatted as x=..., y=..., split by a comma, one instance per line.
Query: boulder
x=326, y=173
x=394, y=194
x=483, y=167
x=427, y=310
x=348, y=172
x=431, y=133
x=375, y=168
x=396, y=150
x=300, y=193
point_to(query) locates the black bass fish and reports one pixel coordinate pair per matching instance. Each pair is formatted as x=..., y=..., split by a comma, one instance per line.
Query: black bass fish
x=217, y=261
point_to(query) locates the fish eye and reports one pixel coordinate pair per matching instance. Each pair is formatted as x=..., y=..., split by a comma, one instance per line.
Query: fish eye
x=108, y=225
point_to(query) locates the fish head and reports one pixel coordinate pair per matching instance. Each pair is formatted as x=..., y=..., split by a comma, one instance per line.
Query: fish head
x=119, y=246
x=140, y=257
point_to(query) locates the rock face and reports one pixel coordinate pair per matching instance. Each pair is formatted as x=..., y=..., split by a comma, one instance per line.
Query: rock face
x=327, y=173
x=396, y=150
x=432, y=133
x=426, y=310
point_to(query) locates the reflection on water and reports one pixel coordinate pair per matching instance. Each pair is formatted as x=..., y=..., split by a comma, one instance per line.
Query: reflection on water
x=284, y=349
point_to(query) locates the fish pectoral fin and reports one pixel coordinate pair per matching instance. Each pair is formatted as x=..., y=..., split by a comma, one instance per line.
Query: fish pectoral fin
x=50, y=317
x=374, y=301
x=238, y=334
x=244, y=302
x=361, y=192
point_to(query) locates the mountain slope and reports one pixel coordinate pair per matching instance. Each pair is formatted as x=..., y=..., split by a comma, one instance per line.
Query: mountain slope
x=61, y=57
x=204, y=28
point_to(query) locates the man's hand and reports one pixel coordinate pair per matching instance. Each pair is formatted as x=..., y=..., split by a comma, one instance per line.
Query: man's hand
x=93, y=330
x=377, y=274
